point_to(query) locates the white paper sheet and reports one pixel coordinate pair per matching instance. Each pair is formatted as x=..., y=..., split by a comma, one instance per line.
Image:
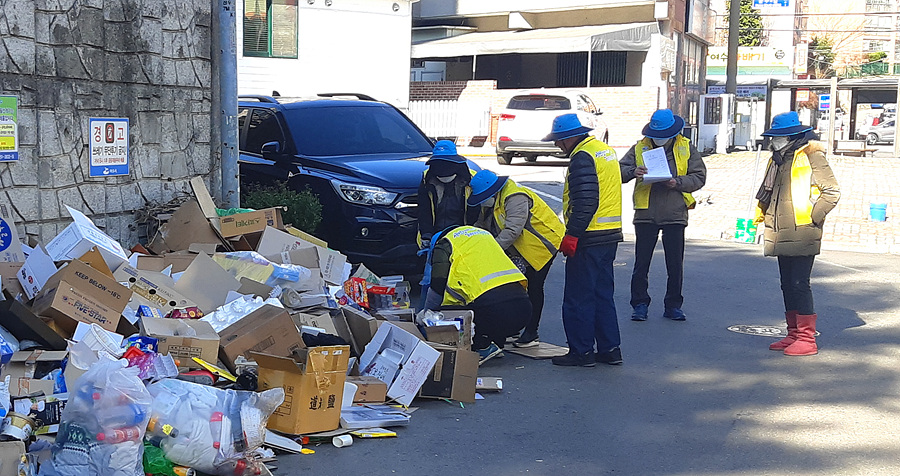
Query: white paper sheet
x=657, y=165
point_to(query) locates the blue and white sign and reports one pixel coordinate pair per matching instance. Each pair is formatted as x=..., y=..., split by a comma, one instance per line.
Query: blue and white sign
x=109, y=146
x=771, y=3
x=824, y=102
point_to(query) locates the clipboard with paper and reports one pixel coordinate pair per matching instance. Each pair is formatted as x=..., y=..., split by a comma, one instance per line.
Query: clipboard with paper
x=657, y=166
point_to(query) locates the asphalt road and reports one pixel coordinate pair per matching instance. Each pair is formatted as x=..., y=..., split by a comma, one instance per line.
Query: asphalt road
x=692, y=398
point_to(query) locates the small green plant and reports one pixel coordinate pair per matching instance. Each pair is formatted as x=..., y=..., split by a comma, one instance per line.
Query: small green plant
x=304, y=210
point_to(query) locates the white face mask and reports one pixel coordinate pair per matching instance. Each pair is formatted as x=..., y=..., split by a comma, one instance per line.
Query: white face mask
x=780, y=142
x=489, y=202
x=659, y=142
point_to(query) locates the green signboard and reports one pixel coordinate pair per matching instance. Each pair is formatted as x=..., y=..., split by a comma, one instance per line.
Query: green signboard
x=9, y=128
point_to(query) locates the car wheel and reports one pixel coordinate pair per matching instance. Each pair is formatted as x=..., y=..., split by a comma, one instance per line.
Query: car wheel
x=530, y=158
x=504, y=159
x=871, y=138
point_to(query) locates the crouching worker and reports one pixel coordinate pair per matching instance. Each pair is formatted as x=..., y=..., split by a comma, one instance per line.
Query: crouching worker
x=470, y=271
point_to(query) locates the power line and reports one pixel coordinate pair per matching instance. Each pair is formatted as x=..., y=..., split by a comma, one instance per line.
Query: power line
x=802, y=30
x=816, y=14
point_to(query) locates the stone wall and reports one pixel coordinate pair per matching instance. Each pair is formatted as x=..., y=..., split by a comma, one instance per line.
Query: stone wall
x=70, y=60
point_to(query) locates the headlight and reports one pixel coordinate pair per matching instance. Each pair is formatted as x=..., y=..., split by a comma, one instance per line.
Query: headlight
x=363, y=194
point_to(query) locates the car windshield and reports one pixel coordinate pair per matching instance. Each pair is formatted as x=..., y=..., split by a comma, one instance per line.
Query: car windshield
x=354, y=130
x=539, y=102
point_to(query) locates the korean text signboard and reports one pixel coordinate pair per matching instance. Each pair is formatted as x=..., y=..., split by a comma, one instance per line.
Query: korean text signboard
x=9, y=128
x=109, y=146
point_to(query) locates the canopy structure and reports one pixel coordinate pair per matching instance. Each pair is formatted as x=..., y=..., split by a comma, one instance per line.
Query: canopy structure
x=620, y=37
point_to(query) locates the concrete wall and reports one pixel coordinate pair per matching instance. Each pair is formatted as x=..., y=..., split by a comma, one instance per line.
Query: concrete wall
x=70, y=60
x=359, y=46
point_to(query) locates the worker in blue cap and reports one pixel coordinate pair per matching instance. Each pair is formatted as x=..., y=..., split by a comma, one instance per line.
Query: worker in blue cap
x=443, y=191
x=661, y=205
x=592, y=208
x=526, y=229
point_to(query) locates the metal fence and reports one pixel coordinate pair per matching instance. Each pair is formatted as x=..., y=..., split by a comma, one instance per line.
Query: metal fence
x=451, y=118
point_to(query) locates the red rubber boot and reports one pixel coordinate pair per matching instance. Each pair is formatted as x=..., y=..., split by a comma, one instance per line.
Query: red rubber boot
x=806, y=337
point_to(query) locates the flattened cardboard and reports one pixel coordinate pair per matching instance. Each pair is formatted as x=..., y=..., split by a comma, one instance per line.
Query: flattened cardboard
x=10, y=246
x=269, y=329
x=250, y=222
x=24, y=324
x=252, y=288
x=541, y=351
x=9, y=273
x=36, y=271
x=155, y=289
x=306, y=236
x=362, y=328
x=82, y=235
x=416, y=360
x=173, y=339
x=21, y=369
x=10, y=454
x=179, y=261
x=201, y=193
x=453, y=376
x=488, y=384
x=368, y=389
x=187, y=226
x=313, y=385
x=207, y=283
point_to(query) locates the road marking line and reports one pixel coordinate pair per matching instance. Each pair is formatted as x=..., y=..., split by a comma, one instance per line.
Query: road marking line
x=840, y=265
x=545, y=195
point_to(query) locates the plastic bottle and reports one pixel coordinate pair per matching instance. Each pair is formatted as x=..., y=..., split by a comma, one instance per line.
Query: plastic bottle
x=184, y=471
x=113, y=437
x=121, y=416
x=215, y=427
x=157, y=428
x=239, y=467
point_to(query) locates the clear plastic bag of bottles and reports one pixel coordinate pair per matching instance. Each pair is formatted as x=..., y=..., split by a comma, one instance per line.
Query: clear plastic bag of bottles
x=103, y=423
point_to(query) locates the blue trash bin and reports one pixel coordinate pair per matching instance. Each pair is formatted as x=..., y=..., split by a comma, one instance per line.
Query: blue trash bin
x=878, y=211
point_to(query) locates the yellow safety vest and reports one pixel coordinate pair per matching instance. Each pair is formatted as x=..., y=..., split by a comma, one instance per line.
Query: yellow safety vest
x=804, y=192
x=543, y=233
x=477, y=265
x=609, y=211
x=682, y=149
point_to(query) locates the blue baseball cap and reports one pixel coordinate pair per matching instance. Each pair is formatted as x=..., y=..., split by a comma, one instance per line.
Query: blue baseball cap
x=484, y=185
x=664, y=124
x=565, y=126
x=786, y=124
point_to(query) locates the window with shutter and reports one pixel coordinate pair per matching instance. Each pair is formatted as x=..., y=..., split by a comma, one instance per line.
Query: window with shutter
x=270, y=28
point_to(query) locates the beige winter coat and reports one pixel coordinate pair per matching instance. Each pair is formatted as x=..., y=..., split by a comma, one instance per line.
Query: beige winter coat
x=783, y=237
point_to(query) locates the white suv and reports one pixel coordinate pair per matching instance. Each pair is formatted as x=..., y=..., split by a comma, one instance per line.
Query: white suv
x=528, y=117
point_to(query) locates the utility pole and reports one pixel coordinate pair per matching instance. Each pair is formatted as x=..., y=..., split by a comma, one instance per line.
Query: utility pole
x=731, y=69
x=225, y=51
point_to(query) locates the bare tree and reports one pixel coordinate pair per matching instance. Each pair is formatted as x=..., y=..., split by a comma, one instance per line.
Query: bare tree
x=843, y=33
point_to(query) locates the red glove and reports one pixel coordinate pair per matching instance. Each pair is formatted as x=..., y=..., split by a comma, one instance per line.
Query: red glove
x=568, y=245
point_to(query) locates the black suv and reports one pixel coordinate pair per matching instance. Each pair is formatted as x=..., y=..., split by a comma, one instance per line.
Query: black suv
x=363, y=158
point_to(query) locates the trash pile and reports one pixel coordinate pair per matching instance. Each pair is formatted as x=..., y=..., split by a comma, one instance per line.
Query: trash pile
x=221, y=341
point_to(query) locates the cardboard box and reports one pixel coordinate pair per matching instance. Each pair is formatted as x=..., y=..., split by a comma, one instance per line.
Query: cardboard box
x=282, y=247
x=24, y=324
x=21, y=370
x=48, y=409
x=488, y=384
x=454, y=375
x=449, y=334
x=36, y=271
x=156, y=289
x=10, y=454
x=313, y=388
x=82, y=235
x=173, y=339
x=10, y=246
x=269, y=329
x=368, y=389
x=250, y=222
x=395, y=348
x=9, y=274
x=80, y=293
x=188, y=225
x=362, y=328
x=179, y=262
x=206, y=283
x=334, y=325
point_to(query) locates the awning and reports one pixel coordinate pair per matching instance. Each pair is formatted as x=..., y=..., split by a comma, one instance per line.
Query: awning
x=620, y=37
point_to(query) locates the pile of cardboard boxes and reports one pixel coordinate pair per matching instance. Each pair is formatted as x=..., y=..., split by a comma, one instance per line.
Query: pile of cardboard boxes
x=314, y=336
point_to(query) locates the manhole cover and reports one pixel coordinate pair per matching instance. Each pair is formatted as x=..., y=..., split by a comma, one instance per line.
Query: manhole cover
x=759, y=330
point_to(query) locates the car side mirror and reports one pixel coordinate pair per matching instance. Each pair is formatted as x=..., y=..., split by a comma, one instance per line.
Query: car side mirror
x=270, y=148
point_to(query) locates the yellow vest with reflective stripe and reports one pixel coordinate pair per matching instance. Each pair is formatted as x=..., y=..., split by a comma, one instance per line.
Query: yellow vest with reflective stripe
x=543, y=233
x=804, y=193
x=682, y=151
x=609, y=211
x=477, y=265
